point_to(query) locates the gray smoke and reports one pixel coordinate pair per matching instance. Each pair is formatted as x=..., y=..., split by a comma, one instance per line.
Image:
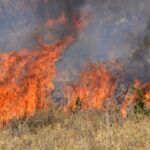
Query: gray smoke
x=138, y=65
x=119, y=29
x=22, y=20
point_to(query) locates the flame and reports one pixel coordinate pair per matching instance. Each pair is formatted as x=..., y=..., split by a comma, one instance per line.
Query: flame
x=131, y=97
x=26, y=76
x=26, y=79
x=93, y=89
x=96, y=86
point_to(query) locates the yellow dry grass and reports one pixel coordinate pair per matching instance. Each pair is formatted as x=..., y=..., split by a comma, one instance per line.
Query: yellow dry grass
x=81, y=131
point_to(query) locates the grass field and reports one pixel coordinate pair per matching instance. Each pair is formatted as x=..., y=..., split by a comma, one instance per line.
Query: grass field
x=80, y=131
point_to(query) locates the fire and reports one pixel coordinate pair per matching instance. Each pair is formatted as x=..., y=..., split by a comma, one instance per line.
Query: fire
x=26, y=76
x=93, y=89
x=131, y=97
x=26, y=79
x=96, y=86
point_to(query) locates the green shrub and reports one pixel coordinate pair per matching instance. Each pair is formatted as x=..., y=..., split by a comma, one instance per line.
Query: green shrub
x=139, y=107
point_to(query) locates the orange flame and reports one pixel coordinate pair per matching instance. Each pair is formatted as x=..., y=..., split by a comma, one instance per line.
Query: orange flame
x=93, y=89
x=26, y=79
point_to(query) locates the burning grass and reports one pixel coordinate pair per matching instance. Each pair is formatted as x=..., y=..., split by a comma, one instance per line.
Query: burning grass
x=96, y=87
x=26, y=88
x=26, y=80
x=138, y=96
x=27, y=76
x=93, y=89
x=90, y=119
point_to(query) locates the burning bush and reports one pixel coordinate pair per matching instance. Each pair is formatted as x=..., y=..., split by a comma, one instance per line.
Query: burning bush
x=26, y=79
x=139, y=96
x=94, y=87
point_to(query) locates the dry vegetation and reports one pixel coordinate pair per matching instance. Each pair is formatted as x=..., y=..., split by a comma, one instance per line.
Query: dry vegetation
x=79, y=131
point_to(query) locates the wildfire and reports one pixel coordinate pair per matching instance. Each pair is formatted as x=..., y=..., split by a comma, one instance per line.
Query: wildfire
x=96, y=85
x=93, y=89
x=26, y=79
x=26, y=76
x=131, y=97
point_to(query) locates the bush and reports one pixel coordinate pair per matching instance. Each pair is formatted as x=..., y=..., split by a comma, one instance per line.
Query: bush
x=139, y=107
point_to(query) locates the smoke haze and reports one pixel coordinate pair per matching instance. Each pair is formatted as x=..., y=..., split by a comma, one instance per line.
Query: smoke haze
x=117, y=30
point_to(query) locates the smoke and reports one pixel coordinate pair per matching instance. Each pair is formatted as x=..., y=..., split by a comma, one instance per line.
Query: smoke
x=139, y=62
x=113, y=33
x=117, y=35
x=117, y=30
x=21, y=21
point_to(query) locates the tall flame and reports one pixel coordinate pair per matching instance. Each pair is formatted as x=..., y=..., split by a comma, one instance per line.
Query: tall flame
x=93, y=89
x=26, y=79
x=96, y=86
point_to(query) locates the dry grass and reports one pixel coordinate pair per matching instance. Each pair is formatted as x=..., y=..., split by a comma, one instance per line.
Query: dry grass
x=81, y=131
